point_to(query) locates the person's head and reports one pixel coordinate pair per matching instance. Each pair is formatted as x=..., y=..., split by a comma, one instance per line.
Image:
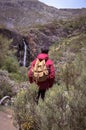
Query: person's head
x=45, y=50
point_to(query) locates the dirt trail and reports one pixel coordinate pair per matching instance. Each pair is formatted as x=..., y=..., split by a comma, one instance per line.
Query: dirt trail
x=6, y=122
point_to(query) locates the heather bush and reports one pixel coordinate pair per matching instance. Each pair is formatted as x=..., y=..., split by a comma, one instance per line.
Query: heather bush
x=5, y=89
x=4, y=45
x=20, y=75
x=11, y=65
x=53, y=112
x=24, y=109
x=62, y=109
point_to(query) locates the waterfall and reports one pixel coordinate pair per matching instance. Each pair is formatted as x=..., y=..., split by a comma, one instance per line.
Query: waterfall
x=25, y=53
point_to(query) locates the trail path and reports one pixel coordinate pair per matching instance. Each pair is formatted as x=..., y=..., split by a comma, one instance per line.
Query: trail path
x=6, y=122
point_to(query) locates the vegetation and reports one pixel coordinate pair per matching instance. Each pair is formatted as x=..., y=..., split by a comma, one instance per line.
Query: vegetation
x=24, y=108
x=9, y=62
x=3, y=49
x=5, y=90
x=20, y=75
x=64, y=107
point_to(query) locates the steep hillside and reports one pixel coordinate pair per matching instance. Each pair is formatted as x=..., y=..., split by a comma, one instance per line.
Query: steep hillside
x=24, y=14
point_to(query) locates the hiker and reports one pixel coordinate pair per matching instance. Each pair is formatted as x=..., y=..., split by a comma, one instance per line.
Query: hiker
x=49, y=81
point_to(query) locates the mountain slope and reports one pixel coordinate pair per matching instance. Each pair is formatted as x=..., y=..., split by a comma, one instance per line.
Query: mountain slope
x=25, y=13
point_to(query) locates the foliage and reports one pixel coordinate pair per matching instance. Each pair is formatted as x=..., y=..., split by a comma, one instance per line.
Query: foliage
x=75, y=24
x=63, y=54
x=9, y=62
x=11, y=65
x=64, y=107
x=20, y=75
x=24, y=108
x=3, y=49
x=5, y=89
x=73, y=72
x=52, y=111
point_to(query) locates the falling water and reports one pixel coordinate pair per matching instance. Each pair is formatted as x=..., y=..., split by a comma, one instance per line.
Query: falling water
x=25, y=53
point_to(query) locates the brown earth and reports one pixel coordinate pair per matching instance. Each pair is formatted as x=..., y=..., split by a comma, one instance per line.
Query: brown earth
x=6, y=122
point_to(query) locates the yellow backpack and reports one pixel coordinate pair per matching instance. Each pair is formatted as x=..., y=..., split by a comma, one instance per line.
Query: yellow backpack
x=40, y=71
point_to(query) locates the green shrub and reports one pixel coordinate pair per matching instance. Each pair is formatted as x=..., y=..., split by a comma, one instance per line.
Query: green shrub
x=23, y=71
x=20, y=75
x=61, y=110
x=24, y=108
x=52, y=112
x=4, y=45
x=77, y=115
x=5, y=89
x=15, y=76
x=10, y=65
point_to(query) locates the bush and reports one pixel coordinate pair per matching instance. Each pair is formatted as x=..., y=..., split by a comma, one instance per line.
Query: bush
x=5, y=89
x=52, y=112
x=4, y=46
x=19, y=76
x=10, y=65
x=61, y=110
x=24, y=108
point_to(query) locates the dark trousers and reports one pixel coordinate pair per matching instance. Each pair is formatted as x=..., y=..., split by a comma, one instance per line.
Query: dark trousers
x=41, y=93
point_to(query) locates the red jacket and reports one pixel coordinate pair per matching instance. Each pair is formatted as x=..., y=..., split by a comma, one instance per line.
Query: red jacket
x=49, y=63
